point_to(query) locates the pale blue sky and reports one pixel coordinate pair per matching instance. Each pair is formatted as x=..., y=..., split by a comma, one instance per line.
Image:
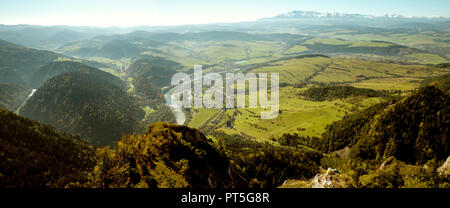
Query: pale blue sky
x=177, y=12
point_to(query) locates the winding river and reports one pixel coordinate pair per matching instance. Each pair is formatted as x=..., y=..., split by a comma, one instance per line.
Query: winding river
x=175, y=105
x=25, y=101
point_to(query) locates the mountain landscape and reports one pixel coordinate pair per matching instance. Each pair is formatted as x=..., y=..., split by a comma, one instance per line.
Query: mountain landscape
x=363, y=103
x=12, y=96
x=87, y=102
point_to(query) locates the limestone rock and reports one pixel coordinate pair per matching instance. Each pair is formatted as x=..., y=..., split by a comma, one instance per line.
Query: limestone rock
x=387, y=162
x=445, y=168
x=331, y=179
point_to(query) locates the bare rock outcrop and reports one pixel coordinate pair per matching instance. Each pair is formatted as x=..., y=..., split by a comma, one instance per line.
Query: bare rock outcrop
x=331, y=179
x=445, y=168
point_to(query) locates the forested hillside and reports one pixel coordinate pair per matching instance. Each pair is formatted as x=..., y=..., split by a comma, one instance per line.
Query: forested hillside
x=340, y=92
x=87, y=102
x=11, y=76
x=25, y=60
x=150, y=74
x=12, y=96
x=36, y=155
x=414, y=129
x=165, y=156
x=55, y=68
x=396, y=143
x=363, y=102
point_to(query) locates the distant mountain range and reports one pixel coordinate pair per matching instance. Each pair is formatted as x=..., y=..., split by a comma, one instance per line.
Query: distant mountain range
x=54, y=37
x=297, y=14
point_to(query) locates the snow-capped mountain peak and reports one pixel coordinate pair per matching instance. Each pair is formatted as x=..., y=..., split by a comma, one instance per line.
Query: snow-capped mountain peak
x=312, y=14
x=298, y=14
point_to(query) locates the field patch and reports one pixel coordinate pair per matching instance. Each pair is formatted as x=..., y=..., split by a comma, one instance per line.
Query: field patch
x=295, y=70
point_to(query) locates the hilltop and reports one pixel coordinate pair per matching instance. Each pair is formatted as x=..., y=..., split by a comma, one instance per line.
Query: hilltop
x=165, y=156
x=401, y=142
x=12, y=96
x=11, y=76
x=150, y=74
x=36, y=155
x=413, y=129
x=24, y=60
x=57, y=67
x=88, y=102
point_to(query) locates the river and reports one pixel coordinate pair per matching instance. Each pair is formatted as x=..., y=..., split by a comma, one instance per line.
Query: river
x=175, y=105
x=25, y=101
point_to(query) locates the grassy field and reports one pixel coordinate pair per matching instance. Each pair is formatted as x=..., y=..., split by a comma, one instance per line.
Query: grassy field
x=263, y=48
x=295, y=70
x=189, y=53
x=426, y=58
x=352, y=63
x=434, y=44
x=225, y=52
x=397, y=38
x=354, y=71
x=296, y=49
x=298, y=115
x=201, y=116
x=306, y=117
x=333, y=42
x=370, y=44
x=402, y=83
x=147, y=111
x=327, y=41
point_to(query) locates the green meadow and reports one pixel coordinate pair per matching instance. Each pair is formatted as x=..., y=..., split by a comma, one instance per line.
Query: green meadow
x=378, y=61
x=306, y=117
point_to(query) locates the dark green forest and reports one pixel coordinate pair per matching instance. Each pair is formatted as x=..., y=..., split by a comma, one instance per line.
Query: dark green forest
x=340, y=92
x=12, y=96
x=86, y=102
x=418, y=129
x=36, y=155
x=150, y=74
x=55, y=68
x=86, y=128
x=382, y=146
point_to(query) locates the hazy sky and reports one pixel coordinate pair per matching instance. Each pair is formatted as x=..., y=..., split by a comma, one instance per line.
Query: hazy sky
x=177, y=12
